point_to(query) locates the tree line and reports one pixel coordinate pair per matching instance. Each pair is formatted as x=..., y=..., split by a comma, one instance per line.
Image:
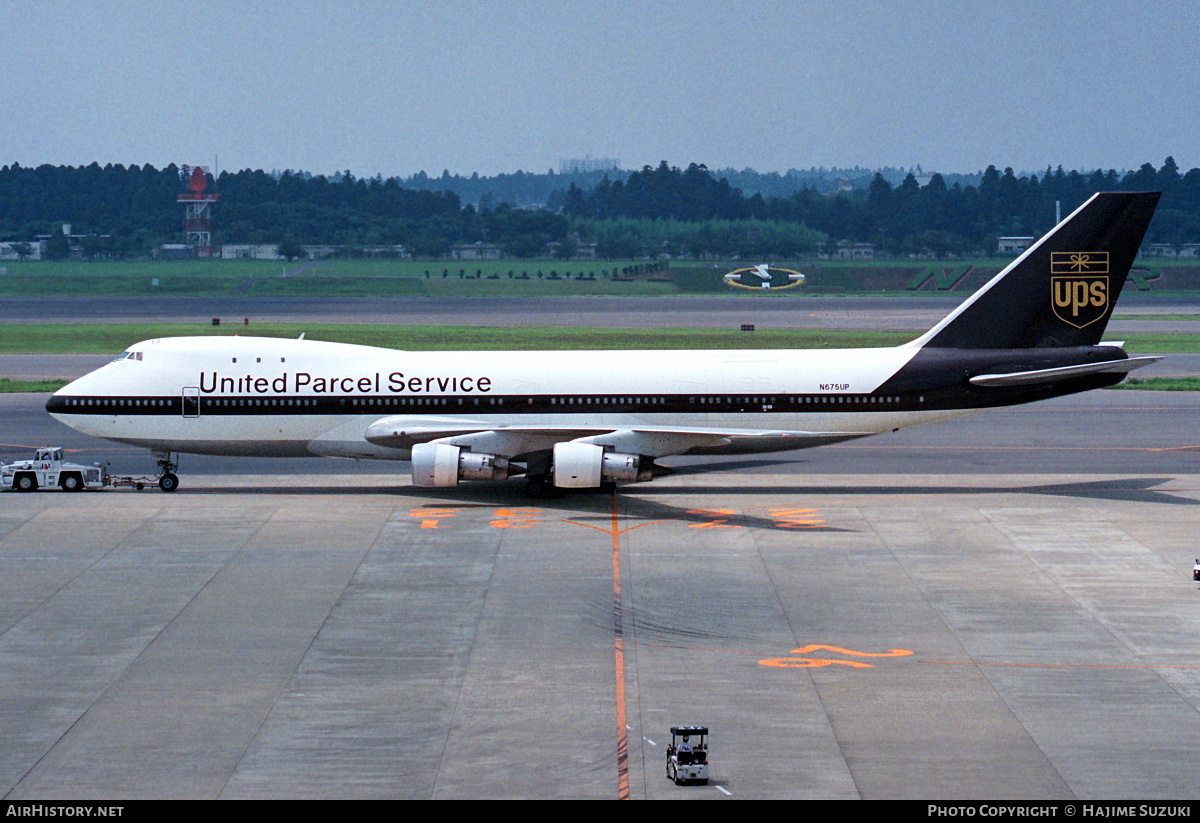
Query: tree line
x=904, y=219
x=655, y=211
x=546, y=190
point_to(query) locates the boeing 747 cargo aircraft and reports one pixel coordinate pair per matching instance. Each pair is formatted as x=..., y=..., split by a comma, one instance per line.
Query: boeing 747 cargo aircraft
x=590, y=419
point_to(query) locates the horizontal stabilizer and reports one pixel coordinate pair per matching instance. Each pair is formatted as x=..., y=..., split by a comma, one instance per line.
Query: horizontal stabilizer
x=1029, y=378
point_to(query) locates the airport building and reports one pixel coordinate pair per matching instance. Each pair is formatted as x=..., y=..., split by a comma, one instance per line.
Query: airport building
x=477, y=251
x=10, y=250
x=1013, y=245
x=1171, y=250
x=855, y=251
x=250, y=251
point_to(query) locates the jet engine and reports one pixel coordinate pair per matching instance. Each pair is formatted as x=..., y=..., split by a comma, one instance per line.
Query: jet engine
x=586, y=466
x=437, y=464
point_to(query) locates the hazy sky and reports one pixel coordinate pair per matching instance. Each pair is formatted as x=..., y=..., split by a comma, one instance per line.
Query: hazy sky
x=378, y=86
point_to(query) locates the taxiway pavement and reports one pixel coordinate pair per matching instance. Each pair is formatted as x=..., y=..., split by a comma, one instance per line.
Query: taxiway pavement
x=843, y=636
x=994, y=607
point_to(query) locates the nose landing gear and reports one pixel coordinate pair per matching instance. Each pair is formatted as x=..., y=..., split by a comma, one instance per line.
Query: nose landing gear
x=167, y=466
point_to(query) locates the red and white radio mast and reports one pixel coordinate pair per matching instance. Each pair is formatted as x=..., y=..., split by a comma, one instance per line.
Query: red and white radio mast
x=197, y=221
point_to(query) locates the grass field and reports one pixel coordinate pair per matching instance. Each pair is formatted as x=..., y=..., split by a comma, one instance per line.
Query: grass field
x=334, y=278
x=71, y=338
x=14, y=386
x=1160, y=383
x=508, y=278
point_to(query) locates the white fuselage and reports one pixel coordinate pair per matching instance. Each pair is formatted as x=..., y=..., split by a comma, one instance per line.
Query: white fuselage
x=276, y=397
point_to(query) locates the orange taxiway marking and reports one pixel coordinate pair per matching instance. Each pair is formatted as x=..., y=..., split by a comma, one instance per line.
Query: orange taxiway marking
x=430, y=517
x=515, y=518
x=820, y=662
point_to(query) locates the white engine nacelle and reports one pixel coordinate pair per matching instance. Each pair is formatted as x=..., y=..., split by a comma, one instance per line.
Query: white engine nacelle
x=436, y=464
x=586, y=466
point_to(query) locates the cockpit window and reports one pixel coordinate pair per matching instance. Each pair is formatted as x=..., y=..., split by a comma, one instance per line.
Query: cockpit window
x=129, y=355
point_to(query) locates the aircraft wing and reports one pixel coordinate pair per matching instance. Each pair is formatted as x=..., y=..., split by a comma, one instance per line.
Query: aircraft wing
x=406, y=432
x=651, y=441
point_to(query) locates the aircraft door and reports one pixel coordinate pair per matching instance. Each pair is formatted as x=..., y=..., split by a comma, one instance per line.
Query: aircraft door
x=191, y=401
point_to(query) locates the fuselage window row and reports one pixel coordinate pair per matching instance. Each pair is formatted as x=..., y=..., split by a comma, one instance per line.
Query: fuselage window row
x=335, y=404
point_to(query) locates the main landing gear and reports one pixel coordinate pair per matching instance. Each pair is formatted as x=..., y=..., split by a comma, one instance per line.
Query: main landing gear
x=542, y=486
x=167, y=465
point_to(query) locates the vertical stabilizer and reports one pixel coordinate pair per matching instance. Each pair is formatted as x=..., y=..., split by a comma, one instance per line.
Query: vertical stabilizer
x=1061, y=291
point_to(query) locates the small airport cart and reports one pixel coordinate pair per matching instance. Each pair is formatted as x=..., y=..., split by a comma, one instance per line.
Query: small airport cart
x=687, y=756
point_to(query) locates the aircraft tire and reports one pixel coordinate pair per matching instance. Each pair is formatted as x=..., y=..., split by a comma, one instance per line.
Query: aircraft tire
x=168, y=482
x=537, y=488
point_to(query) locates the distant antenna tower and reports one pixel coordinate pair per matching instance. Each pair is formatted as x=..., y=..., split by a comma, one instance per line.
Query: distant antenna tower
x=197, y=221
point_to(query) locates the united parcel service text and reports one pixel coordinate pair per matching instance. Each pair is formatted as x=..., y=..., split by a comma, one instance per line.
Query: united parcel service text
x=303, y=382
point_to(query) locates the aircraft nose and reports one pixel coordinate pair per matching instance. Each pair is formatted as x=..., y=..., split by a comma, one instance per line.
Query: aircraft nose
x=58, y=401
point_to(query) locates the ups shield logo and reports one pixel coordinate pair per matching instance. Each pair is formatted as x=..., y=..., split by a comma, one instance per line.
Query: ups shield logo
x=1079, y=291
